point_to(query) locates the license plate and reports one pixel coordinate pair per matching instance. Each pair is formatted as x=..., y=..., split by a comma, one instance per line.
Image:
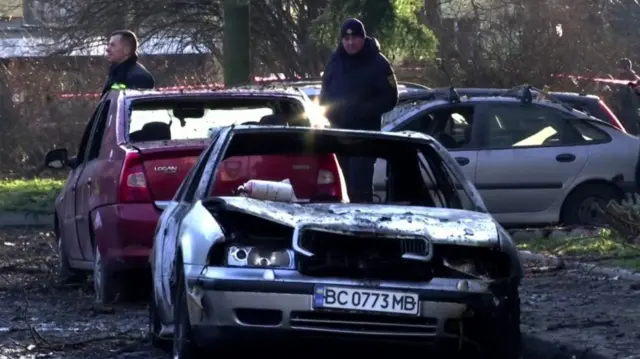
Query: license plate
x=366, y=300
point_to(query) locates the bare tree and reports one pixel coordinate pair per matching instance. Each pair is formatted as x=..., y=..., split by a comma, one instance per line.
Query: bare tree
x=280, y=29
x=508, y=42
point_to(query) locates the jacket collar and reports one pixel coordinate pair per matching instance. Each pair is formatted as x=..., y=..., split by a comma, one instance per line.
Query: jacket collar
x=125, y=65
x=371, y=47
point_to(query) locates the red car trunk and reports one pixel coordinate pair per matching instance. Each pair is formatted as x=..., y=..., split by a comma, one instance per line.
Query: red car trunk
x=167, y=164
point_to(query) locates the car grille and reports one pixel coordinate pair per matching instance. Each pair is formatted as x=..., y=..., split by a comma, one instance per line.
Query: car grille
x=364, y=257
x=371, y=324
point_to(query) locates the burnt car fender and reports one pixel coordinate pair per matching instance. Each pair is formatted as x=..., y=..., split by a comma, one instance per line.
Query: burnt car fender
x=199, y=231
x=507, y=246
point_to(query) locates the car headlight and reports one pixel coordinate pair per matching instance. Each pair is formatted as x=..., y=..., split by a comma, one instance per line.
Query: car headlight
x=260, y=257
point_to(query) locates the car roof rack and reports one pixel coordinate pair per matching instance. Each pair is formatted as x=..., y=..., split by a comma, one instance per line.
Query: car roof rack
x=524, y=93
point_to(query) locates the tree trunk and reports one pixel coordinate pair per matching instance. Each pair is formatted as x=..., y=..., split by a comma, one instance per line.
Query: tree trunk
x=236, y=42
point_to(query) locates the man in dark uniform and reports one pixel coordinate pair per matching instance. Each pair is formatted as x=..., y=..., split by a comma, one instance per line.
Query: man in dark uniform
x=125, y=71
x=626, y=98
x=358, y=86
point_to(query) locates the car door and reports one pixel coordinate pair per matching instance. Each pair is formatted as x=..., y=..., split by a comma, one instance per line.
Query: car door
x=86, y=195
x=451, y=124
x=530, y=152
x=182, y=202
x=68, y=216
x=165, y=244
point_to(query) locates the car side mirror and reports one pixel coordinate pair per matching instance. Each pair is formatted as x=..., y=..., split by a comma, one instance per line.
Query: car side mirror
x=57, y=159
x=72, y=162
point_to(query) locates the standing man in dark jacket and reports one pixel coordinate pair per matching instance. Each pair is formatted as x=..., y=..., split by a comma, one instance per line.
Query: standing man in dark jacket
x=358, y=86
x=122, y=53
x=626, y=99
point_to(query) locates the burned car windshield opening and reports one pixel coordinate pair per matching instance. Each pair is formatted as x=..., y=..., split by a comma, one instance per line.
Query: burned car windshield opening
x=187, y=118
x=406, y=172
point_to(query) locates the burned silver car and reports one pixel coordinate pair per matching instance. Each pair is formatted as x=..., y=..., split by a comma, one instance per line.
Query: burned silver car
x=425, y=265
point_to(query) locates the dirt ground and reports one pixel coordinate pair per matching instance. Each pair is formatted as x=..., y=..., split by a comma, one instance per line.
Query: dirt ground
x=41, y=319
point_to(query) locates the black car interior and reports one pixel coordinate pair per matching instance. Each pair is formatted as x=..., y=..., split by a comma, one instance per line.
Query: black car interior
x=447, y=131
x=416, y=175
x=286, y=112
x=152, y=131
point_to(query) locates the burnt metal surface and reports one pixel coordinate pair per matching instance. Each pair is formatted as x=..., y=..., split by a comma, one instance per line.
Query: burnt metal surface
x=439, y=225
x=365, y=256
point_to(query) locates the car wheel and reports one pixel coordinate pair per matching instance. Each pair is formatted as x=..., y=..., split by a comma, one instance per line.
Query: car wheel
x=184, y=346
x=155, y=324
x=66, y=274
x=104, y=282
x=504, y=340
x=581, y=206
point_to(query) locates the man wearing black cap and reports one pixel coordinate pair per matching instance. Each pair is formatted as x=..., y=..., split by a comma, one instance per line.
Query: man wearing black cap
x=358, y=86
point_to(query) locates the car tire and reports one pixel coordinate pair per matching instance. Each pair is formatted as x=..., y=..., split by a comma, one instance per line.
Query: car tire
x=582, y=200
x=105, y=283
x=155, y=325
x=66, y=274
x=503, y=338
x=184, y=345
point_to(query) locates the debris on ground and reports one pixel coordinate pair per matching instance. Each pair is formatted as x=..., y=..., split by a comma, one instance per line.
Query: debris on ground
x=601, y=246
x=597, y=313
x=40, y=318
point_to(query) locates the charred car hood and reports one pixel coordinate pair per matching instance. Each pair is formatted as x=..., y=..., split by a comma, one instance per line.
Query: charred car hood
x=440, y=225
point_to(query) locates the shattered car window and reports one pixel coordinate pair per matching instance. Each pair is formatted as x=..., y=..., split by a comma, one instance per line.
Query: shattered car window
x=413, y=173
x=191, y=127
x=161, y=119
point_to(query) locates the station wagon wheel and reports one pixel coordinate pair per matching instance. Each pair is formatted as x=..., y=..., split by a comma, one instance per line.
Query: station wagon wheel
x=65, y=272
x=104, y=282
x=581, y=206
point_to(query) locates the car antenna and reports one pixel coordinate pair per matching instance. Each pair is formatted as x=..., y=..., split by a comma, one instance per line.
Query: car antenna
x=453, y=96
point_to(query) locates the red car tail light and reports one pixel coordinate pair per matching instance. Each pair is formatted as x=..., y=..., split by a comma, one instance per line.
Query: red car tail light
x=133, y=183
x=329, y=183
x=612, y=117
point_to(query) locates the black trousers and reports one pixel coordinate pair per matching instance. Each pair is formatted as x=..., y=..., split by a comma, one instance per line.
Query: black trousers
x=358, y=174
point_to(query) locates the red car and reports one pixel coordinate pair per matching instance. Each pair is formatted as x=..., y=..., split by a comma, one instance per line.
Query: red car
x=135, y=152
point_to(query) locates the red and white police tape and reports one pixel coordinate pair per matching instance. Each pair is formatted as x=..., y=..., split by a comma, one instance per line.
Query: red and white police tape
x=215, y=86
x=596, y=79
x=283, y=78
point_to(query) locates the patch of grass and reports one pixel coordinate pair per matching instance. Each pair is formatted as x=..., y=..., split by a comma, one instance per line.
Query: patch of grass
x=605, y=248
x=29, y=195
